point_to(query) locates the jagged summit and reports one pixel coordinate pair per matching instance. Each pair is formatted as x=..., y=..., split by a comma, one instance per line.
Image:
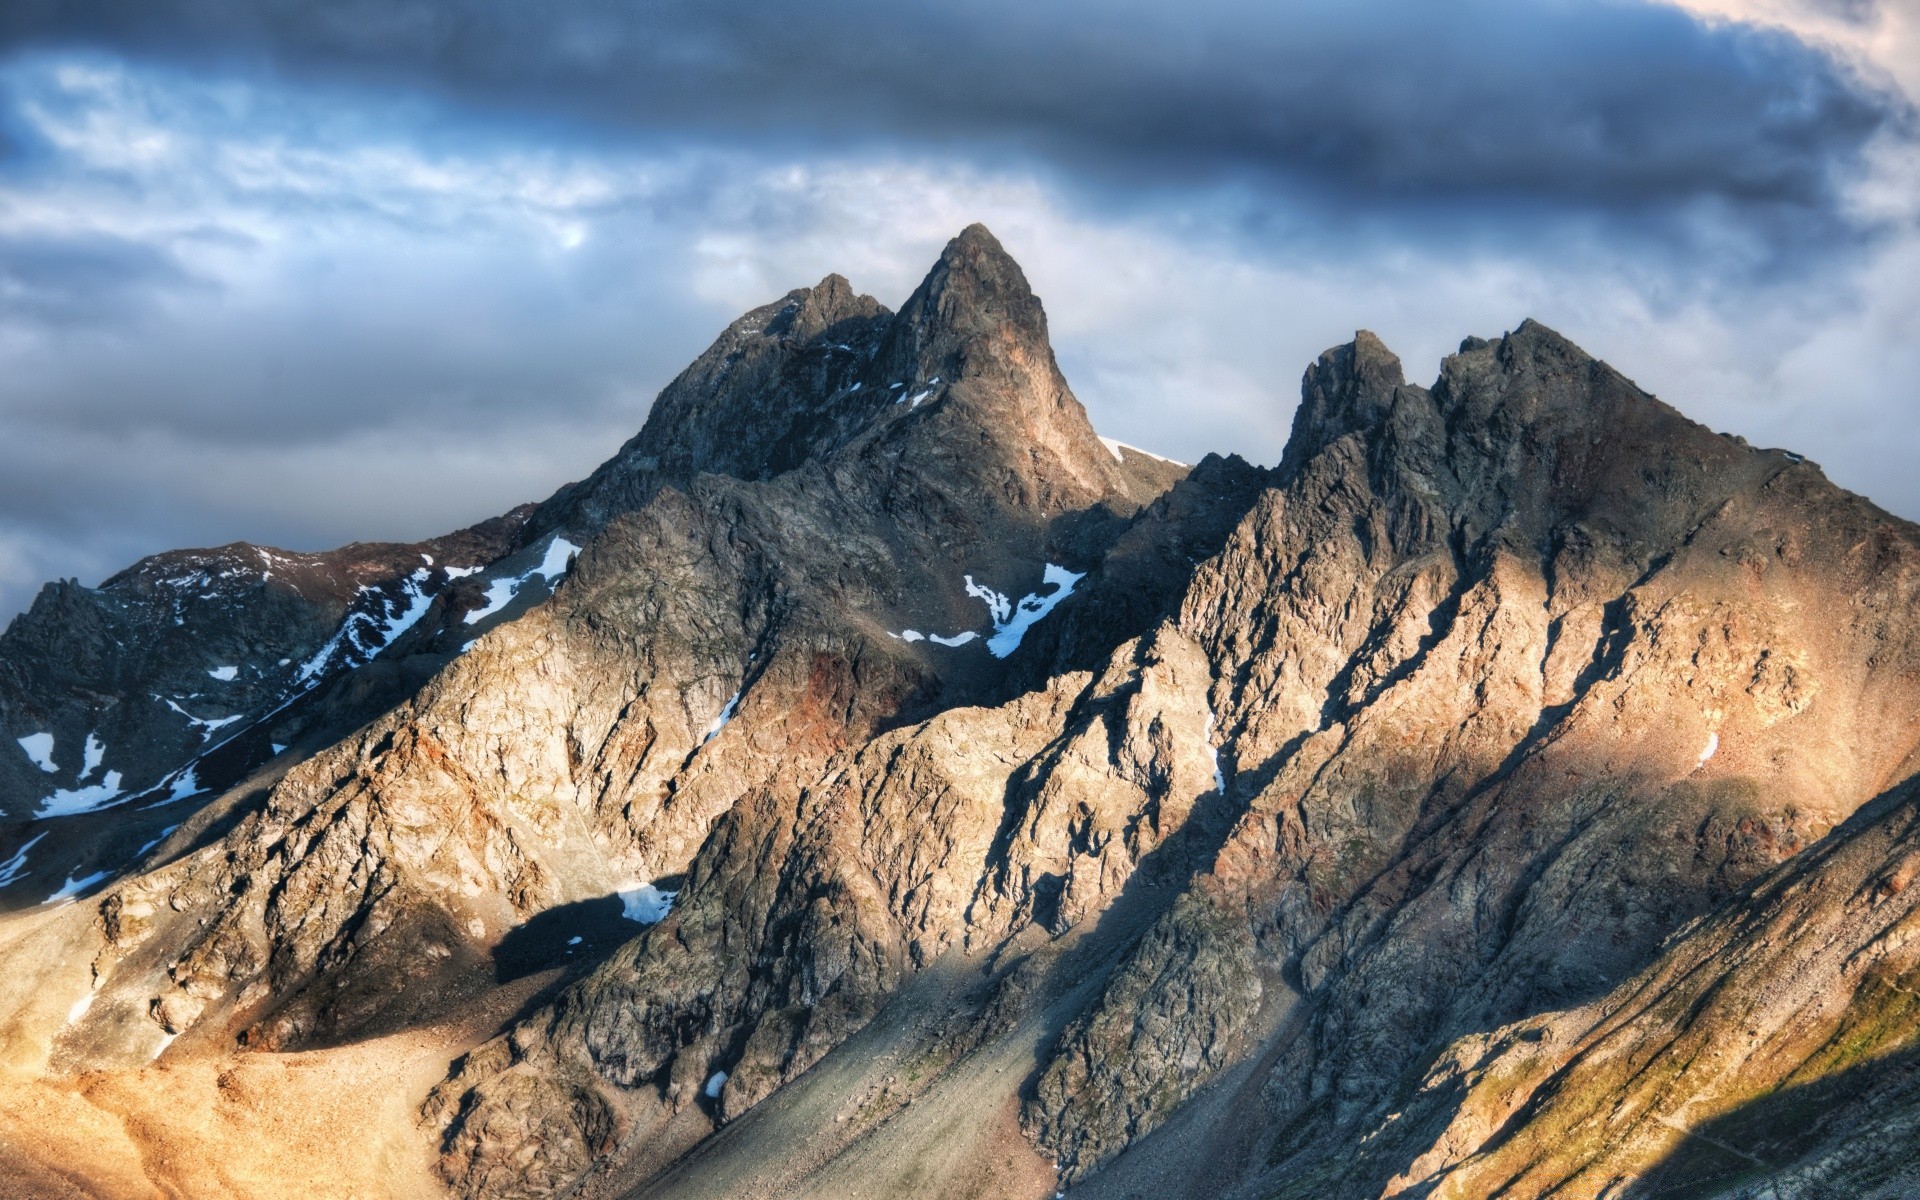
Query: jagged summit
x=963, y=371
x=975, y=289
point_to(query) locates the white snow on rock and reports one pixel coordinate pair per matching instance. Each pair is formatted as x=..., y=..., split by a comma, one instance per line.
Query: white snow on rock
x=560, y=554
x=39, y=748
x=418, y=601
x=278, y=748
x=914, y=635
x=73, y=887
x=715, y=1082
x=1713, y=745
x=1010, y=620
x=164, y=835
x=95, y=753
x=501, y=592
x=1115, y=446
x=15, y=867
x=70, y=801
x=1213, y=752
x=646, y=903
x=363, y=635
x=720, y=722
x=225, y=674
x=185, y=785
x=206, y=725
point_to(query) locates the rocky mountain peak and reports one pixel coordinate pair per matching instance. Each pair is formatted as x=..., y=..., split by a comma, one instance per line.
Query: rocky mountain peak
x=963, y=372
x=1349, y=389
x=805, y=314
x=975, y=288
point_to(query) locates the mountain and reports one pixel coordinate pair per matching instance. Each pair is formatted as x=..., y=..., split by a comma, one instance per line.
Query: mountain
x=870, y=781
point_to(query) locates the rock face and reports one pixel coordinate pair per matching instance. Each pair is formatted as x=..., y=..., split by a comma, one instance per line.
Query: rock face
x=1431, y=814
x=178, y=675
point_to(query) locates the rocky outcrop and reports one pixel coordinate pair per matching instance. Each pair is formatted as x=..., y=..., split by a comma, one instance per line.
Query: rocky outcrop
x=1768, y=1051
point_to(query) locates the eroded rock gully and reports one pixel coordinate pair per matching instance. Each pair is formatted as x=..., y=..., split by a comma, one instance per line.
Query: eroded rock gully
x=1449, y=796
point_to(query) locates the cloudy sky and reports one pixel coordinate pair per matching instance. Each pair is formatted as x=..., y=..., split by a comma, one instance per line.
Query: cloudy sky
x=302, y=272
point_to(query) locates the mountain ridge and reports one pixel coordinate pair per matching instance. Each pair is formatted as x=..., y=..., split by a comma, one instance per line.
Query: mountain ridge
x=1313, y=792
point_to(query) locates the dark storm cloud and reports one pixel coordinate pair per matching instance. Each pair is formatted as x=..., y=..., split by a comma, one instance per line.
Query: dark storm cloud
x=84, y=280
x=1609, y=107
x=310, y=272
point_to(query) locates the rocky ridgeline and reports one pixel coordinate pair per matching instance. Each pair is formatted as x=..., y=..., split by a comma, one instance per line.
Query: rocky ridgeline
x=1507, y=790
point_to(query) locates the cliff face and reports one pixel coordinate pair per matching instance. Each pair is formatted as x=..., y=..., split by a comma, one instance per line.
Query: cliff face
x=904, y=791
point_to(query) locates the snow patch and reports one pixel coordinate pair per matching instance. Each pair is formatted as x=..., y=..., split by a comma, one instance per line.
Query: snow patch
x=185, y=785
x=363, y=634
x=80, y=1006
x=1213, y=752
x=715, y=1082
x=277, y=747
x=73, y=887
x=39, y=748
x=501, y=592
x=1713, y=746
x=12, y=869
x=95, y=753
x=205, y=724
x=225, y=674
x=1010, y=620
x=164, y=835
x=720, y=722
x=418, y=601
x=1115, y=446
x=646, y=903
x=958, y=639
x=559, y=555
x=575, y=940
x=71, y=801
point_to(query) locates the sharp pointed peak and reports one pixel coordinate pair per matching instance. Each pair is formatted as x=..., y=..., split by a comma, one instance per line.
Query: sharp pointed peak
x=976, y=286
x=975, y=240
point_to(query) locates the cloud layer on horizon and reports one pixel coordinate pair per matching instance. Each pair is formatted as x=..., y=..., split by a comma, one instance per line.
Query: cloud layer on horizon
x=302, y=274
